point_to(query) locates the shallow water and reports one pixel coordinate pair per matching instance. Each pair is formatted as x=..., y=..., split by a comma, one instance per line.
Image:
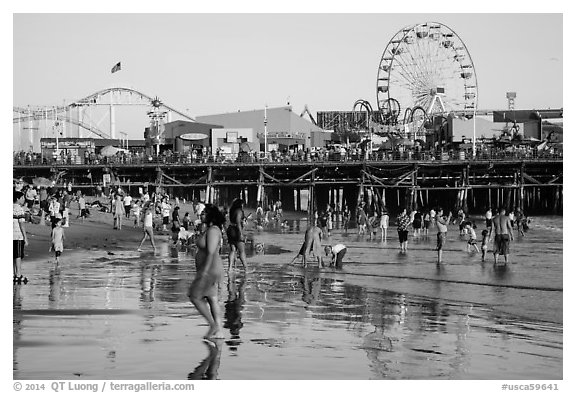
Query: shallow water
x=384, y=316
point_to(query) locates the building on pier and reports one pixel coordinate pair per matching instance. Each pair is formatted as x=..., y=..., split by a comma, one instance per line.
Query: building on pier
x=282, y=123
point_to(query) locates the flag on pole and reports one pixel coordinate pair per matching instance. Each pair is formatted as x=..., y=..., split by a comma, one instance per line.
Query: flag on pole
x=117, y=67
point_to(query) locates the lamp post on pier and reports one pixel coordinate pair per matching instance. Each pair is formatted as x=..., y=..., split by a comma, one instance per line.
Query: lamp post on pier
x=156, y=124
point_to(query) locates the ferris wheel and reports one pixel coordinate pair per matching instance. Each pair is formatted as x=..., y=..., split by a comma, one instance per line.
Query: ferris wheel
x=427, y=68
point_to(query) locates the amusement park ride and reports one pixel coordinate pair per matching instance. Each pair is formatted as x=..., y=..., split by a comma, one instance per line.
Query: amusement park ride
x=425, y=73
x=94, y=115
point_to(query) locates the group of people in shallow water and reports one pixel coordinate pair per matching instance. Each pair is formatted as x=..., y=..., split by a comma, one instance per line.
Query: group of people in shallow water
x=208, y=239
x=501, y=225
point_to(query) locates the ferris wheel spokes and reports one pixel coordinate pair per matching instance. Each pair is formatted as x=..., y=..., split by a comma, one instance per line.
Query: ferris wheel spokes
x=427, y=65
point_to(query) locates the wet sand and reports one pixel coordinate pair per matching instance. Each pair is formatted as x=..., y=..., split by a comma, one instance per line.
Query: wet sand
x=110, y=312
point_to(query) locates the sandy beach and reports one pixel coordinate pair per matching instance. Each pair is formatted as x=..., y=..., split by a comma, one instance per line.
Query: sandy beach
x=110, y=312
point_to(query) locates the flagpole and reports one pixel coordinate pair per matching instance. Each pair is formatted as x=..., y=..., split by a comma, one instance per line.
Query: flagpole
x=265, y=130
x=56, y=130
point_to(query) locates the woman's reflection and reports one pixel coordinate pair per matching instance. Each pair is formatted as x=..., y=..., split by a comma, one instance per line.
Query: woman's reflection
x=148, y=274
x=233, y=308
x=208, y=369
x=377, y=346
x=311, y=284
x=16, y=326
x=55, y=281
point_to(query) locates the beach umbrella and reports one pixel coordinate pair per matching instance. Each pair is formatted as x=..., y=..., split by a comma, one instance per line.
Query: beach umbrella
x=109, y=151
x=42, y=182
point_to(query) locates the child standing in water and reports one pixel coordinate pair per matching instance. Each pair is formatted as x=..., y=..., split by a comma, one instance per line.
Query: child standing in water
x=384, y=221
x=148, y=227
x=485, y=238
x=471, y=237
x=57, y=239
x=137, y=211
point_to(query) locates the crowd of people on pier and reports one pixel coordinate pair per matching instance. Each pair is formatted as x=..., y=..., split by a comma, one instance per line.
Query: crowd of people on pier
x=338, y=153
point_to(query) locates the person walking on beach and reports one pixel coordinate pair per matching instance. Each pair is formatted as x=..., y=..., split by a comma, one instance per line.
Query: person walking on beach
x=426, y=222
x=57, y=238
x=65, y=208
x=165, y=208
x=373, y=223
x=235, y=234
x=416, y=223
x=488, y=217
x=384, y=222
x=520, y=219
x=175, y=229
x=148, y=227
x=512, y=218
x=403, y=223
x=442, y=226
x=471, y=237
x=119, y=212
x=346, y=219
x=259, y=214
x=361, y=219
x=54, y=210
x=30, y=197
x=484, y=246
x=127, y=205
x=19, y=236
x=462, y=222
x=503, y=235
x=312, y=240
x=82, y=207
x=203, y=291
x=137, y=211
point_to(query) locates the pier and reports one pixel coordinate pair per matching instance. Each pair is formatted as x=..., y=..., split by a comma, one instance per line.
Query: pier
x=536, y=186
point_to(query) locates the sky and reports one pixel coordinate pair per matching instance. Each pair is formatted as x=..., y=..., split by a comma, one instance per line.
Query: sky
x=204, y=64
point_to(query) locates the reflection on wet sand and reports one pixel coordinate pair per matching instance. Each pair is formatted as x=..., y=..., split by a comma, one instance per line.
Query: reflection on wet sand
x=311, y=287
x=233, y=308
x=127, y=316
x=208, y=368
x=16, y=323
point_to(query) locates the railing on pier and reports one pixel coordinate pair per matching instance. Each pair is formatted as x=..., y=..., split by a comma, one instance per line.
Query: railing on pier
x=182, y=159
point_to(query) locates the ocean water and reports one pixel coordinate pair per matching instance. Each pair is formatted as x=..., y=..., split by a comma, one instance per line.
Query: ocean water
x=385, y=315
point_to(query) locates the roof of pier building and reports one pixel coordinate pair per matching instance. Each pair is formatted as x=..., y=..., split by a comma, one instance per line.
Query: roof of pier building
x=279, y=120
x=176, y=128
x=527, y=115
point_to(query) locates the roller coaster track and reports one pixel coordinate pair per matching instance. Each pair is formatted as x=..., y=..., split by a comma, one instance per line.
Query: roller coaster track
x=93, y=99
x=67, y=119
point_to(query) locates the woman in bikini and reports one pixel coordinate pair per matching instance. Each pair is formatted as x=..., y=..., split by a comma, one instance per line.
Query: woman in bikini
x=235, y=234
x=203, y=292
